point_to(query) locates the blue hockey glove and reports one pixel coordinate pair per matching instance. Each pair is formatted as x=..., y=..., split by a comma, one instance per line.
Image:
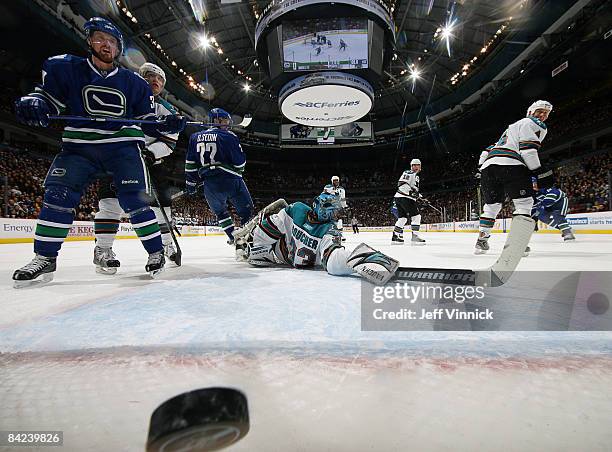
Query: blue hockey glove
x=191, y=190
x=171, y=124
x=32, y=111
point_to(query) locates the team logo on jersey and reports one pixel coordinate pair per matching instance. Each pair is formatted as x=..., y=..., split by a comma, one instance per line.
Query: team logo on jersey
x=58, y=172
x=100, y=100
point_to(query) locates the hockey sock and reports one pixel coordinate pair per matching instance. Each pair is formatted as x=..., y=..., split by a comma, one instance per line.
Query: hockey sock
x=147, y=229
x=523, y=206
x=486, y=224
x=487, y=219
x=415, y=223
x=559, y=221
x=56, y=217
x=143, y=220
x=106, y=221
x=228, y=226
x=163, y=226
x=400, y=223
x=105, y=230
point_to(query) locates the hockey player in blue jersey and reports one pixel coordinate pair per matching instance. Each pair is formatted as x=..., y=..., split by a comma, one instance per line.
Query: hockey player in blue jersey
x=215, y=157
x=93, y=86
x=156, y=149
x=301, y=236
x=550, y=206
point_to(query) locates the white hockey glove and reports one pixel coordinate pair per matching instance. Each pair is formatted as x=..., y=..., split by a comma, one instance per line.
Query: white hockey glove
x=372, y=265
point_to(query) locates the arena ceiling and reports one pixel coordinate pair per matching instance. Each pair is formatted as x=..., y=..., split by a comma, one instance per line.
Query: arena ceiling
x=212, y=42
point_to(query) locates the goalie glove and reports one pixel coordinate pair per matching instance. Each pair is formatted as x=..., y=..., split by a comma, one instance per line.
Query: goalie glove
x=372, y=265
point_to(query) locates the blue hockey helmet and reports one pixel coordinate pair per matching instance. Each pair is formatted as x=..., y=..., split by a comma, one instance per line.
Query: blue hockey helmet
x=217, y=114
x=106, y=26
x=327, y=206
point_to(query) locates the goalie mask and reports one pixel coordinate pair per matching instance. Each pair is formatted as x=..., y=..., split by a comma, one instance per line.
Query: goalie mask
x=327, y=207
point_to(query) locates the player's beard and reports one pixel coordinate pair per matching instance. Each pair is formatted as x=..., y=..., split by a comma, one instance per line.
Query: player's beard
x=105, y=57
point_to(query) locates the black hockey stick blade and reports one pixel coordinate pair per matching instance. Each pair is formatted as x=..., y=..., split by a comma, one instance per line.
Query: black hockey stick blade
x=494, y=276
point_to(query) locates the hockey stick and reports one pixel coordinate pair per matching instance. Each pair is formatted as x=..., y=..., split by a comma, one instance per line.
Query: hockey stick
x=244, y=123
x=179, y=253
x=428, y=204
x=494, y=276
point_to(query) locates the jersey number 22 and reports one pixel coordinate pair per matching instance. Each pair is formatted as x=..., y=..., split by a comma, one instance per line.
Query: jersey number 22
x=207, y=153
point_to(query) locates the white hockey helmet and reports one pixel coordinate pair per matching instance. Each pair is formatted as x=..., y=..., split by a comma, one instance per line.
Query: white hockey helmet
x=539, y=105
x=415, y=162
x=150, y=67
x=335, y=178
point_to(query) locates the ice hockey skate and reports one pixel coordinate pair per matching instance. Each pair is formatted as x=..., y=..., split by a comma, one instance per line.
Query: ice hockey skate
x=482, y=245
x=416, y=240
x=568, y=235
x=38, y=271
x=155, y=263
x=170, y=252
x=105, y=261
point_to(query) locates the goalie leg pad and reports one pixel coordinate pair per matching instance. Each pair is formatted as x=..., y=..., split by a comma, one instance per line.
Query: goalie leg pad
x=372, y=265
x=244, y=232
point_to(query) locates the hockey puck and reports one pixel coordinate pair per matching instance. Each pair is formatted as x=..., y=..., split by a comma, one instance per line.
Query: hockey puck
x=201, y=420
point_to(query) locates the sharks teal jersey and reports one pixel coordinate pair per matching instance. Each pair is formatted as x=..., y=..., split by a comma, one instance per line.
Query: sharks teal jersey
x=296, y=240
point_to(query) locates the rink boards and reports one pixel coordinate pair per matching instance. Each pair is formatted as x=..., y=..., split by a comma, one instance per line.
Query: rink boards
x=22, y=231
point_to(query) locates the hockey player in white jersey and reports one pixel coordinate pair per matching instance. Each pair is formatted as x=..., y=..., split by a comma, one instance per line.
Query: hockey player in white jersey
x=407, y=207
x=304, y=237
x=336, y=189
x=107, y=219
x=507, y=167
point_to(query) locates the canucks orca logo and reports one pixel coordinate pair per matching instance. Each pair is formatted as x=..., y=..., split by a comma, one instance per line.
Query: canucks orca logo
x=100, y=100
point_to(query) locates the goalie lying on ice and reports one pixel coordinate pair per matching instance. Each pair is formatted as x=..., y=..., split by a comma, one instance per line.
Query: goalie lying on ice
x=304, y=237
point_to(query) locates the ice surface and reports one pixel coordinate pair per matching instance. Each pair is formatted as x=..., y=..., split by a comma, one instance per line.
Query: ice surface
x=93, y=355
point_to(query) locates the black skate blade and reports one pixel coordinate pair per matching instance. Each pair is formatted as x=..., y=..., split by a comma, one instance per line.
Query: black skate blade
x=32, y=283
x=201, y=420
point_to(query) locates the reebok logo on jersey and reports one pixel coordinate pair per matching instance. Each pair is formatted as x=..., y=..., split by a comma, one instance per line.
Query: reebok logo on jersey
x=58, y=172
x=129, y=181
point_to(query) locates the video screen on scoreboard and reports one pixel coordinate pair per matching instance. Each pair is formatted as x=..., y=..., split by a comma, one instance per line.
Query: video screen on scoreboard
x=319, y=44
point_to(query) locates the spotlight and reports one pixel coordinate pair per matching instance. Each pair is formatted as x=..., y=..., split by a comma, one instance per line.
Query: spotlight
x=204, y=41
x=246, y=87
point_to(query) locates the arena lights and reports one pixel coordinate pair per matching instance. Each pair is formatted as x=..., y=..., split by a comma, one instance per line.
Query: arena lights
x=485, y=48
x=205, y=41
x=246, y=87
x=446, y=33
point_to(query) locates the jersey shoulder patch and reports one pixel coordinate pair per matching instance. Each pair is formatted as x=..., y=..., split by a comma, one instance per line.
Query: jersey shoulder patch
x=167, y=105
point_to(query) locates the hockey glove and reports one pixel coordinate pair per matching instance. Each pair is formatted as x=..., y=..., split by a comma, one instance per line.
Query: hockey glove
x=32, y=111
x=372, y=265
x=171, y=124
x=191, y=189
x=148, y=157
